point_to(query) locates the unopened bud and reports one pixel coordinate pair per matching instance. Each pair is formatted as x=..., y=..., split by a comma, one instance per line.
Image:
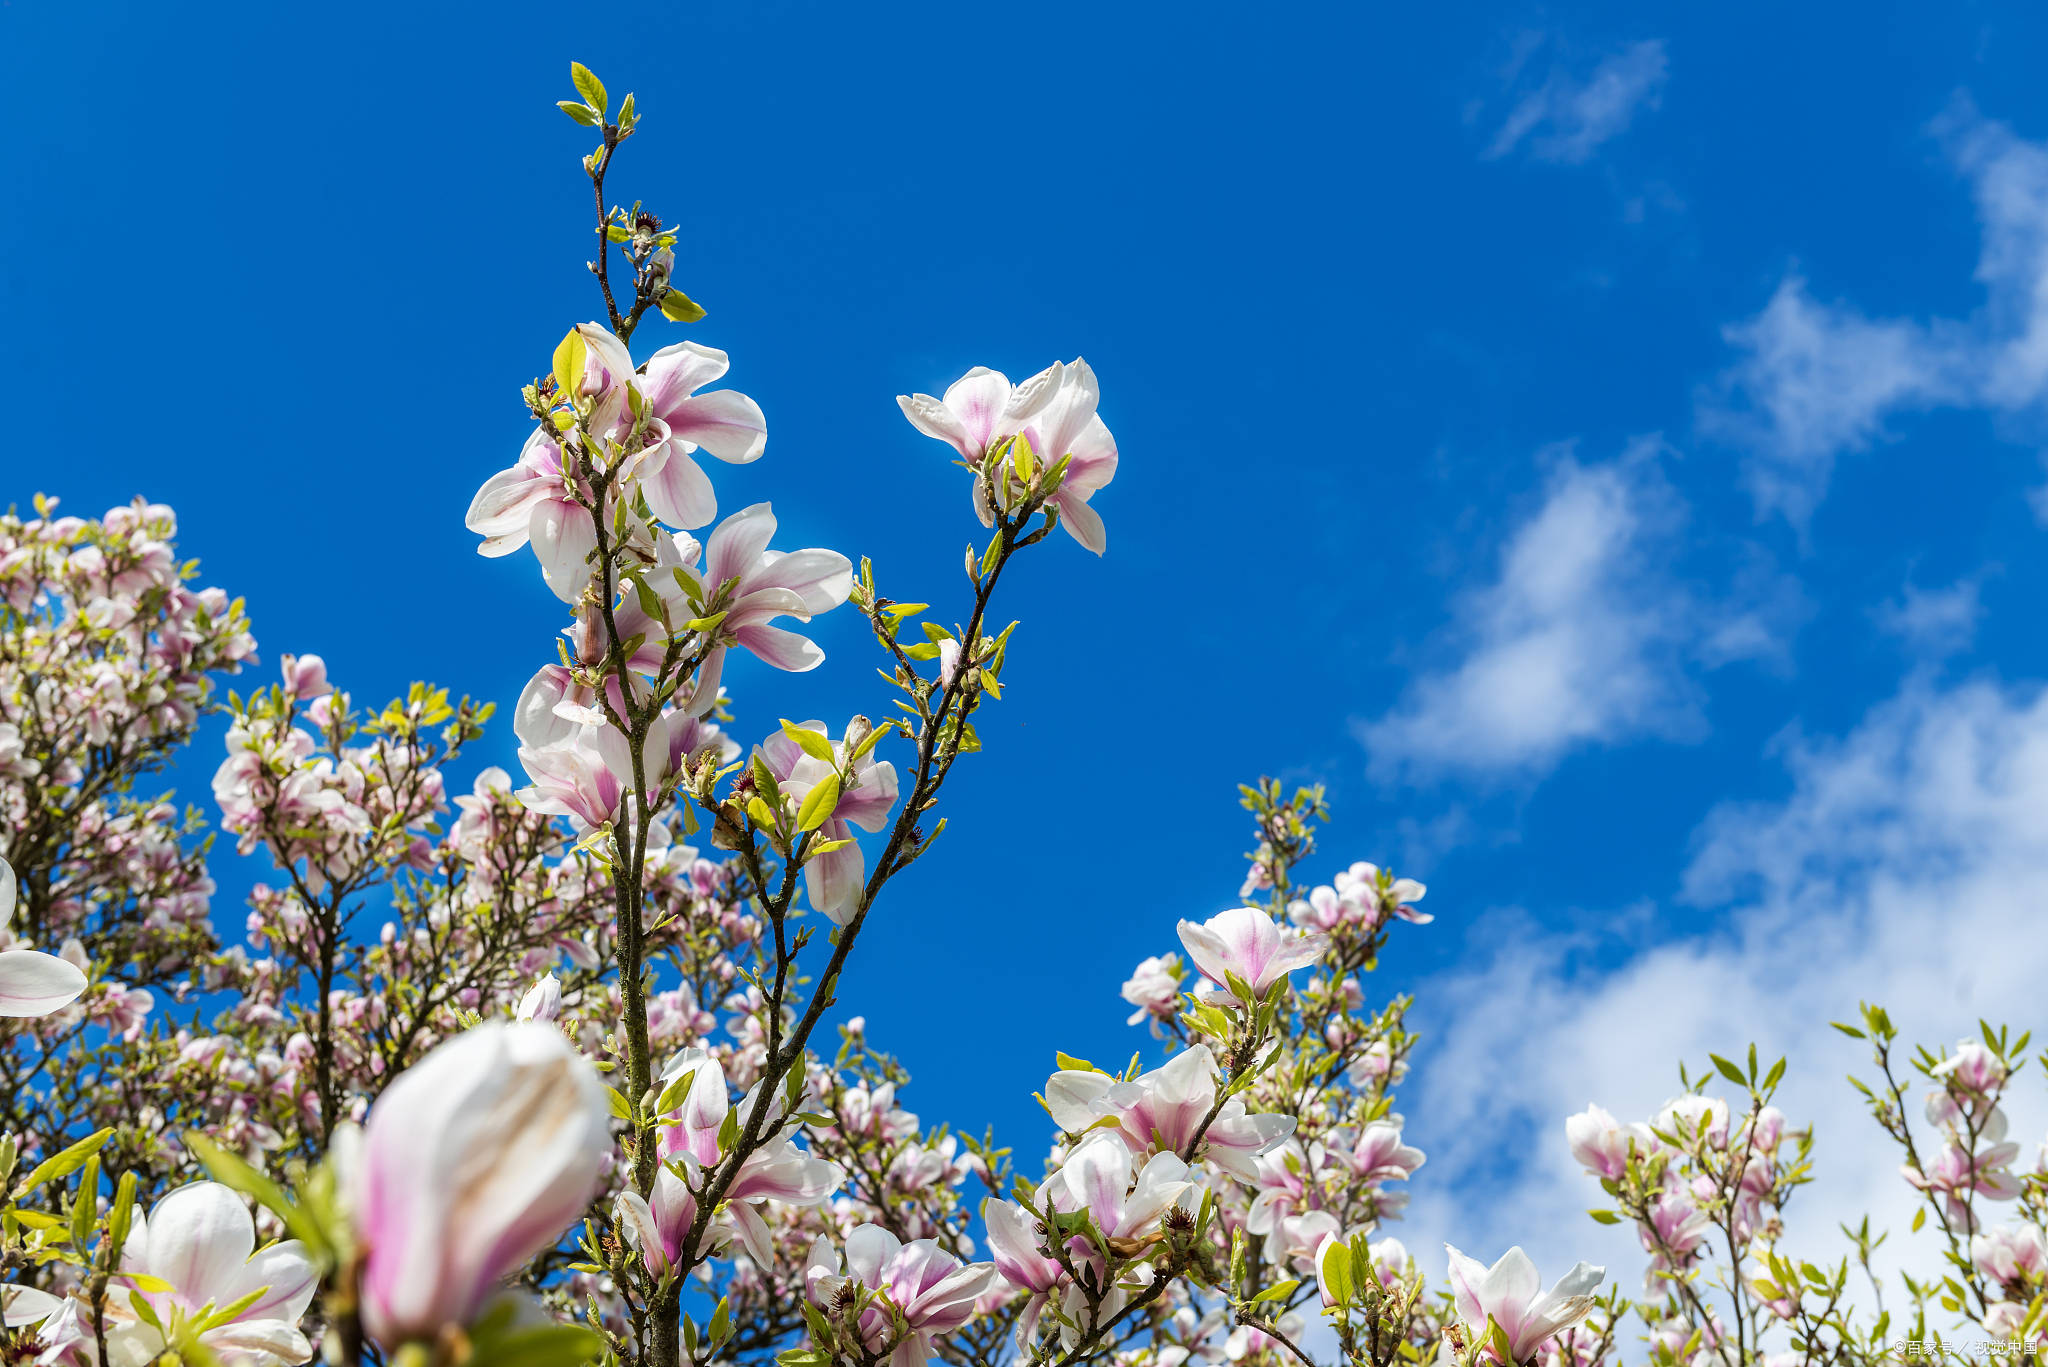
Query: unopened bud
x=857, y=732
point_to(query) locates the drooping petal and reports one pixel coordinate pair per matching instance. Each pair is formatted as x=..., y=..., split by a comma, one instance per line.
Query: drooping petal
x=679, y=492
x=676, y=372
x=724, y=422
x=736, y=545
x=979, y=399
x=784, y=650
x=36, y=984
x=933, y=418
x=564, y=538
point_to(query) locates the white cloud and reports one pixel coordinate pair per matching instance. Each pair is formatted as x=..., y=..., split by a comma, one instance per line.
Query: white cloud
x=1565, y=119
x=1934, y=623
x=1816, y=379
x=1584, y=638
x=1904, y=868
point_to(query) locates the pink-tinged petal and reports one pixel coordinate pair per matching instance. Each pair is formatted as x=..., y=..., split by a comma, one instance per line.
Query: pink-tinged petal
x=636, y=1221
x=869, y=805
x=868, y=1250
x=564, y=539
x=200, y=1236
x=502, y=509
x=979, y=398
x=1083, y=523
x=286, y=1277
x=1094, y=460
x=736, y=545
x=1069, y=412
x=725, y=422
x=1031, y=397
x=534, y=719
x=836, y=879
x=676, y=372
x=931, y=417
x=679, y=492
x=7, y=893
x=35, y=984
x=821, y=579
x=784, y=650
x=753, y=1232
x=257, y=1340
x=608, y=364
x=1074, y=1097
x=24, y=1305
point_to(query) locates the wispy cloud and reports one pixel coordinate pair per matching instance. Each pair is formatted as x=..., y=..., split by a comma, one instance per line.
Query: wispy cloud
x=1567, y=117
x=1586, y=636
x=1814, y=379
x=1906, y=854
x=1934, y=623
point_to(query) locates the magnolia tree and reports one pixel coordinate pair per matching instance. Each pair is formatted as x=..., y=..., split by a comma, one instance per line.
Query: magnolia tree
x=540, y=1073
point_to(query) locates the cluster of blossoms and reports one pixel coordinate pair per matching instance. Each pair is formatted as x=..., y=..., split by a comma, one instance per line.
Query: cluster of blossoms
x=529, y=1070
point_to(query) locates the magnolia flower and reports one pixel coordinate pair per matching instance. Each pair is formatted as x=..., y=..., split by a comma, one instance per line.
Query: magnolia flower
x=1245, y=942
x=765, y=585
x=1973, y=1068
x=1054, y=411
x=1014, y=1246
x=1380, y=1156
x=2010, y=1253
x=777, y=1171
x=474, y=1159
x=1154, y=988
x=585, y=776
x=933, y=1290
x=1603, y=1145
x=725, y=423
x=201, y=1240
x=32, y=983
x=1511, y=1292
x=543, y=1001
x=657, y=1225
x=1097, y=1177
x=836, y=878
x=1961, y=1175
x=532, y=502
x=1165, y=1108
x=1693, y=1118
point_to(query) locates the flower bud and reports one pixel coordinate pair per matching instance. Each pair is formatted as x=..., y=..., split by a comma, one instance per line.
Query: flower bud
x=474, y=1160
x=543, y=1001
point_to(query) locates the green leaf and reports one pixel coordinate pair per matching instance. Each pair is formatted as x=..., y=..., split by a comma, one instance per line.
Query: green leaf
x=62, y=1164
x=1068, y=1063
x=570, y=356
x=589, y=87
x=1771, y=1078
x=801, y=1357
x=621, y=1108
x=232, y=1170
x=1279, y=1291
x=1333, y=1273
x=678, y=307
x=1729, y=1070
x=1605, y=1217
x=818, y=804
x=812, y=744
x=673, y=1094
x=545, y=1345
x=627, y=118
x=582, y=113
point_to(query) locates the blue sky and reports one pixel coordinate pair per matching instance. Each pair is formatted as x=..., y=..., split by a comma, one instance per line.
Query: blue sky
x=1603, y=445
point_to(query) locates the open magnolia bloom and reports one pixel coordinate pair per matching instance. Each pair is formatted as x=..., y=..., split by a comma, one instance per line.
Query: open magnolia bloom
x=1247, y=943
x=201, y=1241
x=32, y=983
x=1511, y=1292
x=934, y=1290
x=1166, y=1107
x=834, y=879
x=1054, y=411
